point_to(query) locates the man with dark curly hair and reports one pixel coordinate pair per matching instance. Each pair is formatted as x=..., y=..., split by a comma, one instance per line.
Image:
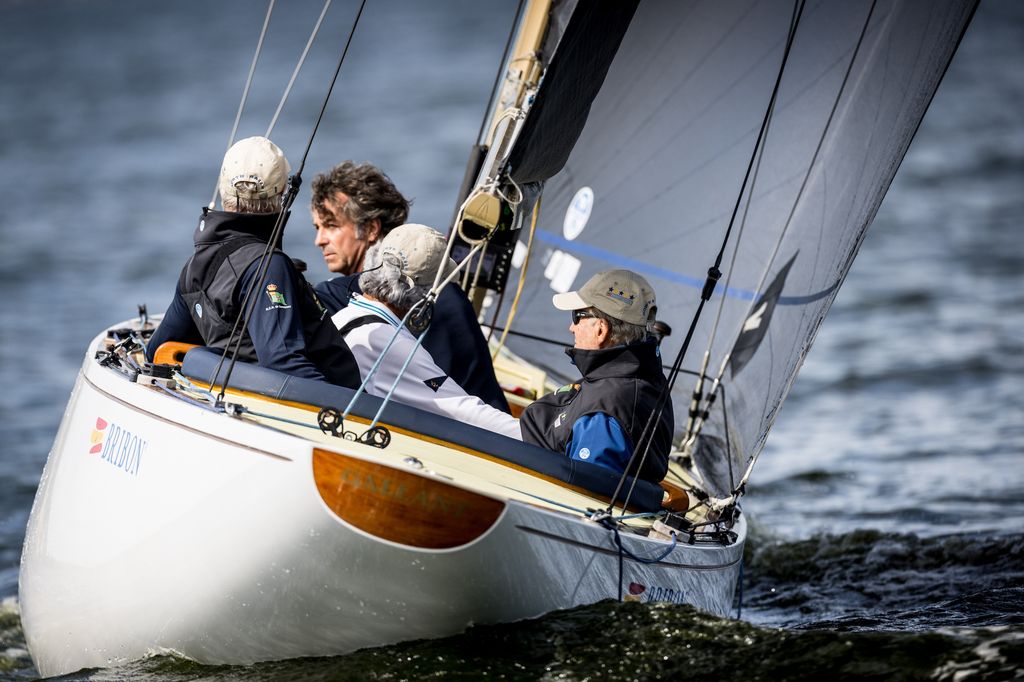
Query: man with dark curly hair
x=354, y=206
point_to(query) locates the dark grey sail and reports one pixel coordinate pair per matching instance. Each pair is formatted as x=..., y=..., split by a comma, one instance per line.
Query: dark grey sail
x=652, y=180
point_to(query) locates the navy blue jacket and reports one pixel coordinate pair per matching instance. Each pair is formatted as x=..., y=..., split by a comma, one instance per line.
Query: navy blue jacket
x=455, y=341
x=285, y=329
x=623, y=383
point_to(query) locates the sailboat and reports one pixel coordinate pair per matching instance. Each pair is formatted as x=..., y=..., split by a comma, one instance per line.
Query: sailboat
x=734, y=154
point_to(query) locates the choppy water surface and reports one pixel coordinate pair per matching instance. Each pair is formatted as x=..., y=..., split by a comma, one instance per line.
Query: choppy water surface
x=888, y=508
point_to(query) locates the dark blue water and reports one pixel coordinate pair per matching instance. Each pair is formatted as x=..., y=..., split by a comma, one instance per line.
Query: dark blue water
x=888, y=508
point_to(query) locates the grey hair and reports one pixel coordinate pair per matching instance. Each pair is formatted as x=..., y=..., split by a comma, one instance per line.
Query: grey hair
x=387, y=283
x=619, y=332
x=237, y=204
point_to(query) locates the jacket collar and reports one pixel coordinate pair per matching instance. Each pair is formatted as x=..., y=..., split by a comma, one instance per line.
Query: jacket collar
x=217, y=226
x=640, y=359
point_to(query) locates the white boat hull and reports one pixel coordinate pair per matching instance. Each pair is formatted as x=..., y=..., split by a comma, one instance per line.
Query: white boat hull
x=167, y=537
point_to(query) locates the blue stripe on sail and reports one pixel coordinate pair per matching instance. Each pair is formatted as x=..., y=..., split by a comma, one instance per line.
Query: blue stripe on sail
x=654, y=271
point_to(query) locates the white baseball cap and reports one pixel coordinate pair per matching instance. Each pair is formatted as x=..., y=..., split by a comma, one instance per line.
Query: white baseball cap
x=621, y=294
x=419, y=251
x=254, y=168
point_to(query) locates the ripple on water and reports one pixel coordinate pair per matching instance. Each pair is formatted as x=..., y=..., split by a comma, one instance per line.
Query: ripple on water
x=861, y=580
x=613, y=641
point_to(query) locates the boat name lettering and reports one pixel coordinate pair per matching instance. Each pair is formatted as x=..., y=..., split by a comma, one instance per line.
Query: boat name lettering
x=426, y=500
x=665, y=594
x=118, y=446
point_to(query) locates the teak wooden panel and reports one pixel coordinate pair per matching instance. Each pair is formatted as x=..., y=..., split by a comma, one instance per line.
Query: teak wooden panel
x=676, y=498
x=401, y=506
x=172, y=352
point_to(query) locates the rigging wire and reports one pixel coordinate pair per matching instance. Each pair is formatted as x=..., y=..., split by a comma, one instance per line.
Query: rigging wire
x=714, y=274
x=494, y=318
x=513, y=307
x=245, y=91
x=501, y=70
x=249, y=301
x=424, y=302
x=298, y=67
x=330, y=89
x=698, y=415
x=796, y=202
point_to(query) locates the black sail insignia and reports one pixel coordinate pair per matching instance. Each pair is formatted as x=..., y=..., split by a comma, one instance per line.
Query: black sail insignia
x=756, y=325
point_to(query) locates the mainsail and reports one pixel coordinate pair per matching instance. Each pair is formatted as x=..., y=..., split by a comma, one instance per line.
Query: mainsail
x=652, y=181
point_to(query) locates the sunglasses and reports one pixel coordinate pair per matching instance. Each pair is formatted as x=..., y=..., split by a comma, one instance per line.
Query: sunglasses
x=578, y=315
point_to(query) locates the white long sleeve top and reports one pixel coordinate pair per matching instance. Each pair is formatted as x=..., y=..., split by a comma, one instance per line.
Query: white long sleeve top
x=424, y=384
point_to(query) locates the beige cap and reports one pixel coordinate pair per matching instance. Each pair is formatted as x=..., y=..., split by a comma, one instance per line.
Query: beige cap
x=420, y=251
x=254, y=168
x=621, y=294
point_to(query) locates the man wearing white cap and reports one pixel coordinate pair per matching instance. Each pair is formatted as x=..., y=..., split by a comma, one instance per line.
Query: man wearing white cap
x=288, y=330
x=410, y=257
x=601, y=418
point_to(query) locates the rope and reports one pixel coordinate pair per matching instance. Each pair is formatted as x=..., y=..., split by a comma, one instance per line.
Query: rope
x=501, y=68
x=605, y=519
x=188, y=399
x=401, y=373
x=330, y=89
x=427, y=300
x=514, y=306
x=494, y=319
x=298, y=67
x=581, y=512
x=245, y=92
x=785, y=229
x=249, y=302
x=273, y=417
x=380, y=359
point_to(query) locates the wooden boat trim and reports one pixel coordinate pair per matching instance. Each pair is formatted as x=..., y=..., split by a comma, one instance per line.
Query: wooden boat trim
x=172, y=352
x=402, y=506
x=306, y=407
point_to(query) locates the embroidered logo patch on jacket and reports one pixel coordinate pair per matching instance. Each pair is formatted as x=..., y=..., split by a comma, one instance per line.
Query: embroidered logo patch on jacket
x=277, y=299
x=435, y=383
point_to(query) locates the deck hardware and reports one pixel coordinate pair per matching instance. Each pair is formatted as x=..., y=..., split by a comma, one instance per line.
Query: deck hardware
x=329, y=421
x=233, y=409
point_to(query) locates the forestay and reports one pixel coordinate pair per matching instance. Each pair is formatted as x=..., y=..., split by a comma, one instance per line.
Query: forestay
x=659, y=165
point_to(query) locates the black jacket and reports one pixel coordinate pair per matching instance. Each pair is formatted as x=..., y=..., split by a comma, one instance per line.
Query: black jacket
x=292, y=331
x=623, y=382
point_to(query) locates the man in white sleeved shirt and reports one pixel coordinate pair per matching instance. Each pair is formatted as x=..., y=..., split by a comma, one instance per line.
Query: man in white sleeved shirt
x=411, y=255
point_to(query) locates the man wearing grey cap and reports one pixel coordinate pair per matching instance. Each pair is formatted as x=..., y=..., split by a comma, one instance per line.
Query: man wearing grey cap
x=601, y=418
x=410, y=257
x=288, y=330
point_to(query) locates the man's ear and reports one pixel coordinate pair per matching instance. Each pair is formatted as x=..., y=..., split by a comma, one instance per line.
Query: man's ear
x=604, y=329
x=373, y=231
